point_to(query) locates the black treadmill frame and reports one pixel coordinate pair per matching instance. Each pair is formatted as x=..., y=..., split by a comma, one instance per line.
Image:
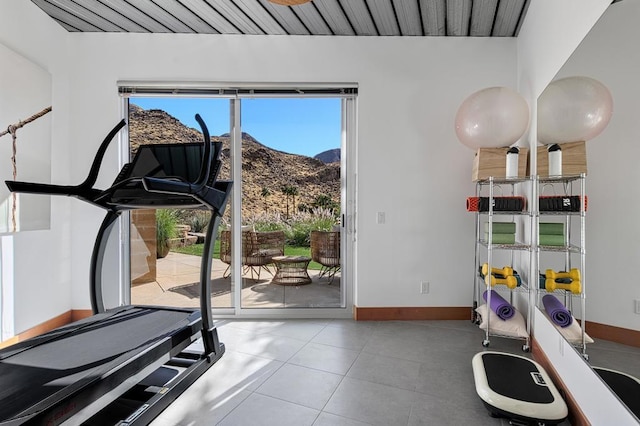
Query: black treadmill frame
x=81, y=401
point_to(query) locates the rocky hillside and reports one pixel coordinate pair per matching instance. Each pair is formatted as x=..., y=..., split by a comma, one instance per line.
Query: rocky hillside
x=329, y=156
x=264, y=170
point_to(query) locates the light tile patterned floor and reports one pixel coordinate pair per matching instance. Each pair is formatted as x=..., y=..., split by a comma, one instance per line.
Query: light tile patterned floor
x=340, y=372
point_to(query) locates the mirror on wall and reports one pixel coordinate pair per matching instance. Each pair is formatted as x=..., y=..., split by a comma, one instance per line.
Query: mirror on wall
x=609, y=55
x=25, y=140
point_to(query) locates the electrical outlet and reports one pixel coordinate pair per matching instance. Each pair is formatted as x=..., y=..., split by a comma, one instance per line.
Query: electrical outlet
x=636, y=306
x=424, y=287
x=380, y=218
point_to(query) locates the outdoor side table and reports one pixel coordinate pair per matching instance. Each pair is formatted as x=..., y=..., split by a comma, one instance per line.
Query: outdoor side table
x=291, y=270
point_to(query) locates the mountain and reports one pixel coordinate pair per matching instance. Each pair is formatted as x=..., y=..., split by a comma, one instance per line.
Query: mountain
x=262, y=167
x=329, y=156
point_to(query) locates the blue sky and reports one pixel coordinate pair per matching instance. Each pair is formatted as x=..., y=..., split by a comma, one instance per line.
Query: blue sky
x=306, y=126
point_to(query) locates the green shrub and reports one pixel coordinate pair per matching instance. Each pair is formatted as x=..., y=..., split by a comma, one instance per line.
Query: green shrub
x=199, y=221
x=297, y=228
x=166, y=223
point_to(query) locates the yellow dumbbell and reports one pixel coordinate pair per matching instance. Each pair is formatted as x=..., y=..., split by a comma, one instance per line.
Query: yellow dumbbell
x=505, y=272
x=510, y=281
x=550, y=283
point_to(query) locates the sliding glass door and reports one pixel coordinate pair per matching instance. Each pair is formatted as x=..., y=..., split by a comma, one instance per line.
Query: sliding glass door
x=284, y=240
x=166, y=245
x=291, y=152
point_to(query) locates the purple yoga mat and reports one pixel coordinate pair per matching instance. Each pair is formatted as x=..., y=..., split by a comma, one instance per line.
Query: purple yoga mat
x=556, y=311
x=501, y=307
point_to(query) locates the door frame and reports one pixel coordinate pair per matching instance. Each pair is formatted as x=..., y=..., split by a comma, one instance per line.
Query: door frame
x=348, y=178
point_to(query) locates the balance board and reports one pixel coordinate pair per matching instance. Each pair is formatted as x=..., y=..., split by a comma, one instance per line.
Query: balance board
x=517, y=388
x=625, y=386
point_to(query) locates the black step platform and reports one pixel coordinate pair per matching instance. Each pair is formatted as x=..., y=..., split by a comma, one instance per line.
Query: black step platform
x=625, y=386
x=517, y=388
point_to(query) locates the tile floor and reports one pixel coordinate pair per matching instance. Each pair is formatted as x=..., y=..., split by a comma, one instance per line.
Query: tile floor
x=340, y=372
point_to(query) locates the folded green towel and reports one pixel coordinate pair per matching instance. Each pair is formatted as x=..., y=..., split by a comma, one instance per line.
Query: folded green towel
x=501, y=238
x=501, y=227
x=551, y=228
x=551, y=240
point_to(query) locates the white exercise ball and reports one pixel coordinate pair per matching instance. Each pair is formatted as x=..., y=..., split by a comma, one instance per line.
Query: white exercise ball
x=573, y=109
x=492, y=118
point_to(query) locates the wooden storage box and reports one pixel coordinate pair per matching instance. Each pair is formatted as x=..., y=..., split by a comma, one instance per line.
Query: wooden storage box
x=493, y=162
x=574, y=159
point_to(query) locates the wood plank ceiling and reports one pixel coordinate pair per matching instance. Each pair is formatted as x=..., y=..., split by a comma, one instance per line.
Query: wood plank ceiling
x=467, y=18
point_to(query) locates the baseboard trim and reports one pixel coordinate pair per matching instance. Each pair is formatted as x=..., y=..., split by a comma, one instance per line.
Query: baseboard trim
x=612, y=333
x=576, y=416
x=78, y=314
x=53, y=323
x=412, y=313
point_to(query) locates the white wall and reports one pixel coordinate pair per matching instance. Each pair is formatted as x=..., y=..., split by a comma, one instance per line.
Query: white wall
x=410, y=164
x=41, y=265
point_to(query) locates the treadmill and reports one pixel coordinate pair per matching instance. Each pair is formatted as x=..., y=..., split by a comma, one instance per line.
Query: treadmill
x=123, y=365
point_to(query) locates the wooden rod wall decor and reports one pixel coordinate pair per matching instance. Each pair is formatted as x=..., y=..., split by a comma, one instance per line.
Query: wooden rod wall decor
x=12, y=129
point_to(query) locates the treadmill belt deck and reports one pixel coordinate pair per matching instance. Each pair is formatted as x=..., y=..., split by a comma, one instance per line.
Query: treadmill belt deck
x=60, y=364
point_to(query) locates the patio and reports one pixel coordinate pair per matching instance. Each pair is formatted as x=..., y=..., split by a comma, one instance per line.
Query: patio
x=177, y=285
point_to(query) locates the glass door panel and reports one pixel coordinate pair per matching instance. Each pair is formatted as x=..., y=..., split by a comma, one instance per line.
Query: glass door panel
x=291, y=186
x=166, y=245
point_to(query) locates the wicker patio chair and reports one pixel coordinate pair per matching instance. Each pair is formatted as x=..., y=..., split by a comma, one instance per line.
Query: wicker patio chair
x=258, y=250
x=325, y=250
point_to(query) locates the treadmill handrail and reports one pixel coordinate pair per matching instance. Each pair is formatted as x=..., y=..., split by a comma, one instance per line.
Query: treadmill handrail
x=97, y=161
x=205, y=168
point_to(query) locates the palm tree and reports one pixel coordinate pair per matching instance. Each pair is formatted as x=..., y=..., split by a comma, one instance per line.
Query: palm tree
x=293, y=191
x=265, y=193
x=289, y=191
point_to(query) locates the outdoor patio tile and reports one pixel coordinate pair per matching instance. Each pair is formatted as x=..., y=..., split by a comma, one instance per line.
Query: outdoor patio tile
x=261, y=410
x=178, y=270
x=263, y=295
x=312, y=295
x=176, y=280
x=324, y=357
x=301, y=385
